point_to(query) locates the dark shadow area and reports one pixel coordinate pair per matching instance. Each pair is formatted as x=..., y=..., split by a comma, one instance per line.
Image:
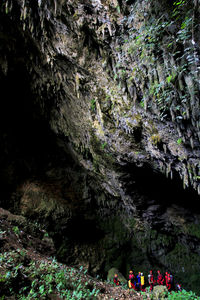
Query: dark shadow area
x=83, y=231
x=27, y=143
x=157, y=189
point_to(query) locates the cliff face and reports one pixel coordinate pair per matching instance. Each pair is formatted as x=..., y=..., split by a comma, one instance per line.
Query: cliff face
x=100, y=129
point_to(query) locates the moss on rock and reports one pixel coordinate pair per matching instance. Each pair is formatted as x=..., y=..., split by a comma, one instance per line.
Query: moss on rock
x=111, y=274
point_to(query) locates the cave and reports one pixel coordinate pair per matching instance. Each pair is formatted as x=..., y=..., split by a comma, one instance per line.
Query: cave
x=112, y=174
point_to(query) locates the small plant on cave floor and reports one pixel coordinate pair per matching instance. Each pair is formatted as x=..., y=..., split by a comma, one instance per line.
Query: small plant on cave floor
x=93, y=104
x=179, y=141
x=42, y=279
x=142, y=104
x=182, y=295
x=46, y=235
x=103, y=145
x=16, y=230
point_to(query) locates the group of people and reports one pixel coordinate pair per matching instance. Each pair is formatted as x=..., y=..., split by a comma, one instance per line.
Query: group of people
x=138, y=282
x=161, y=280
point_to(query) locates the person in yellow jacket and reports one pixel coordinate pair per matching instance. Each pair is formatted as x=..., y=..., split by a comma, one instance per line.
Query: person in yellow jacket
x=142, y=283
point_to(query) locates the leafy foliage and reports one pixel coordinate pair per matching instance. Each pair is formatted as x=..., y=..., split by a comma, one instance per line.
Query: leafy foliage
x=93, y=104
x=167, y=44
x=179, y=141
x=40, y=280
x=181, y=295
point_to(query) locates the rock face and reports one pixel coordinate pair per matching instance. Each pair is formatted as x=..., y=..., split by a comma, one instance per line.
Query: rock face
x=100, y=129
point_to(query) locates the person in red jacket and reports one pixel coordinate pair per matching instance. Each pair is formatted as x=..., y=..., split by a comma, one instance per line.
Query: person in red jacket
x=160, y=279
x=116, y=280
x=169, y=282
x=166, y=279
x=151, y=280
x=131, y=281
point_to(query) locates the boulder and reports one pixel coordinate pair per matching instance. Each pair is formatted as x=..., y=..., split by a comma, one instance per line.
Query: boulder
x=160, y=292
x=111, y=274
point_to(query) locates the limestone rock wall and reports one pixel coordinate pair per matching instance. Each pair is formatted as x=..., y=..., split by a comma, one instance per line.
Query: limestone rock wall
x=103, y=102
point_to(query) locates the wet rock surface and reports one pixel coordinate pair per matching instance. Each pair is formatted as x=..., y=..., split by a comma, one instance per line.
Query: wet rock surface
x=99, y=130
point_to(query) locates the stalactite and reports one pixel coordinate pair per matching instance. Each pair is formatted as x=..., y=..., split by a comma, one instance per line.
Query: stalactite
x=8, y=7
x=168, y=169
x=25, y=13
x=192, y=142
x=194, y=170
x=55, y=6
x=109, y=29
x=190, y=176
x=21, y=15
x=77, y=81
x=198, y=189
x=172, y=114
x=161, y=166
x=193, y=121
x=195, y=185
x=185, y=178
x=165, y=148
x=179, y=132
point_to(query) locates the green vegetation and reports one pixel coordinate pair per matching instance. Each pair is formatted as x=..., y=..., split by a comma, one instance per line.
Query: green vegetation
x=155, y=139
x=93, y=104
x=103, y=145
x=168, y=42
x=27, y=278
x=179, y=141
x=16, y=230
x=38, y=280
x=193, y=229
x=142, y=104
x=182, y=295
